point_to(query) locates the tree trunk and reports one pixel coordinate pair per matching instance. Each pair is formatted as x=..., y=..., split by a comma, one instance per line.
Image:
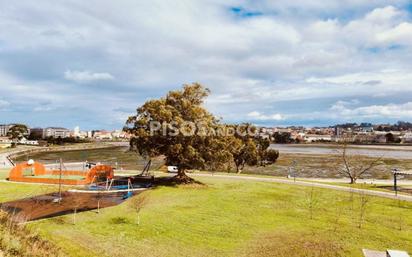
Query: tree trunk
x=240, y=168
x=352, y=180
x=182, y=178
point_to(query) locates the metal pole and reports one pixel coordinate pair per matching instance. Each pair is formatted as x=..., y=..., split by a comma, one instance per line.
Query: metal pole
x=60, y=181
x=395, y=184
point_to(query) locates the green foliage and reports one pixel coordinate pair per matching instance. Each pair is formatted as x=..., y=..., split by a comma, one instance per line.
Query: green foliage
x=210, y=146
x=270, y=156
x=17, y=132
x=66, y=140
x=282, y=138
x=200, y=150
x=17, y=240
x=251, y=149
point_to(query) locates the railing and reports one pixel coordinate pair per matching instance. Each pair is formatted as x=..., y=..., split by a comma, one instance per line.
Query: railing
x=10, y=160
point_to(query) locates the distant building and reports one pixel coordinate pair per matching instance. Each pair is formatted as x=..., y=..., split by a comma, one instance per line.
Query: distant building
x=317, y=138
x=24, y=141
x=338, y=131
x=102, y=135
x=4, y=129
x=407, y=138
x=366, y=128
x=76, y=131
x=56, y=132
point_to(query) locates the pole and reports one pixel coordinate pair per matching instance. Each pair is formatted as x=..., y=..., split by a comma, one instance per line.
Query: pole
x=60, y=181
x=74, y=216
x=395, y=184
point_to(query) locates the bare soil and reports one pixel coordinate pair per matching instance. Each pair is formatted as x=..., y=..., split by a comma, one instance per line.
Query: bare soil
x=45, y=206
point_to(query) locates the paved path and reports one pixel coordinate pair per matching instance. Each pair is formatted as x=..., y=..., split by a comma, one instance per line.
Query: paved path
x=4, y=161
x=404, y=182
x=305, y=183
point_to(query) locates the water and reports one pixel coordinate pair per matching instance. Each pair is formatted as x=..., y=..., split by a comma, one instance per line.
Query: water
x=395, y=152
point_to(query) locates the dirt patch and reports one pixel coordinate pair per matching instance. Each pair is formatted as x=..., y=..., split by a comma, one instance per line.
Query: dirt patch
x=293, y=244
x=45, y=206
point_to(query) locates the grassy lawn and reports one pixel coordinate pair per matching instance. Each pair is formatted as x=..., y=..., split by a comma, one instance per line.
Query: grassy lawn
x=372, y=186
x=12, y=191
x=235, y=218
x=4, y=173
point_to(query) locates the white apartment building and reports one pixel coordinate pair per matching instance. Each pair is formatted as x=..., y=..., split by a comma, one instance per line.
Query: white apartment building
x=56, y=132
x=316, y=138
x=4, y=128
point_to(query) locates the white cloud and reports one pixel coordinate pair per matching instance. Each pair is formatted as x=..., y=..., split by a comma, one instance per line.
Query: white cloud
x=401, y=34
x=259, y=116
x=86, y=76
x=3, y=104
x=289, y=52
x=399, y=111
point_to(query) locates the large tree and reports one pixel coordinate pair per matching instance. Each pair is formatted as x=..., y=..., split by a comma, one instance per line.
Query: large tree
x=179, y=128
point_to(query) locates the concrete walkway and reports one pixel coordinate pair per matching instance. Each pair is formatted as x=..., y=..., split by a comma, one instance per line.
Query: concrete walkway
x=5, y=163
x=309, y=184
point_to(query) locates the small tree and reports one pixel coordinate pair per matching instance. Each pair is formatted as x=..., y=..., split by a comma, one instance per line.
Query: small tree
x=262, y=146
x=363, y=202
x=400, y=215
x=282, y=138
x=244, y=153
x=354, y=166
x=270, y=156
x=389, y=138
x=311, y=200
x=17, y=132
x=137, y=203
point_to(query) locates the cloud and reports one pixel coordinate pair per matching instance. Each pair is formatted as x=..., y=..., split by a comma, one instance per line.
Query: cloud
x=3, y=104
x=86, y=76
x=398, y=111
x=259, y=116
x=297, y=58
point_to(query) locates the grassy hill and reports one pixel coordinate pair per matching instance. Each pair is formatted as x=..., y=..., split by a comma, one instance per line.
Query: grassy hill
x=232, y=218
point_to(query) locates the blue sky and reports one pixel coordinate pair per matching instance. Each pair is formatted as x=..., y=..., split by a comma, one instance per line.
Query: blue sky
x=91, y=63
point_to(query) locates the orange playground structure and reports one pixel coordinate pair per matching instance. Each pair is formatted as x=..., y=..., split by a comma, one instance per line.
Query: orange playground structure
x=35, y=172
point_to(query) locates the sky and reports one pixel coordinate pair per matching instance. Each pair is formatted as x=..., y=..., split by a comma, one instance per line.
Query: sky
x=272, y=63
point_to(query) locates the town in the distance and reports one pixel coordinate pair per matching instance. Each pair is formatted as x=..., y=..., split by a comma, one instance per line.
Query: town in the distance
x=356, y=133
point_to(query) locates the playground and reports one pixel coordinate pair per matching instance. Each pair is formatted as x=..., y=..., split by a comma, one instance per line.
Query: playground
x=35, y=172
x=92, y=186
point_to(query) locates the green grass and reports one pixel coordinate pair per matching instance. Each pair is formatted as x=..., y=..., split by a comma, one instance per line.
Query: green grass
x=235, y=218
x=371, y=186
x=11, y=191
x=4, y=173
